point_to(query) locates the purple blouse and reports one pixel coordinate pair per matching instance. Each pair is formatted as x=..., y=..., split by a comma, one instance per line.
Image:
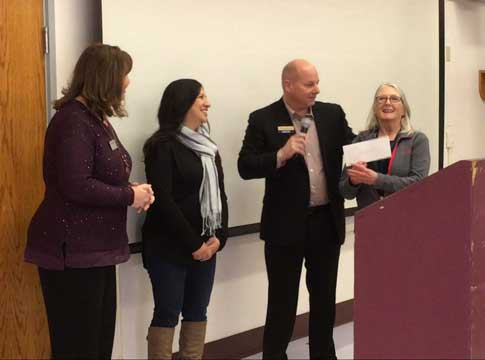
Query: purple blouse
x=82, y=220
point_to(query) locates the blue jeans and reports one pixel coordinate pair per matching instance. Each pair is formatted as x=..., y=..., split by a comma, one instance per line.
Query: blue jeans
x=180, y=288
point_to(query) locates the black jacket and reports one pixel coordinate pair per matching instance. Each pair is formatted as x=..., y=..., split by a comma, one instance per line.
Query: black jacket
x=287, y=190
x=173, y=223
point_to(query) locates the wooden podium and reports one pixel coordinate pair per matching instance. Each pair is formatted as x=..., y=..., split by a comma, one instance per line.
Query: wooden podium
x=420, y=269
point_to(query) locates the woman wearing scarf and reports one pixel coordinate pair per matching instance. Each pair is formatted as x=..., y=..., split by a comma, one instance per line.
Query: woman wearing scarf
x=187, y=225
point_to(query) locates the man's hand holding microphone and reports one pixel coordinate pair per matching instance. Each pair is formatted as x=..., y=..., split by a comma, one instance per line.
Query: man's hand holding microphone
x=295, y=144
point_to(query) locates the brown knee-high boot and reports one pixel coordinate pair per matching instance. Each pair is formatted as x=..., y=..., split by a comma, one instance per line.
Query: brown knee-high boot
x=160, y=340
x=191, y=341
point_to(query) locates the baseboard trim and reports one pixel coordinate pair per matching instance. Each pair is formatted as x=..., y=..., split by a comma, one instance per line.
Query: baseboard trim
x=251, y=342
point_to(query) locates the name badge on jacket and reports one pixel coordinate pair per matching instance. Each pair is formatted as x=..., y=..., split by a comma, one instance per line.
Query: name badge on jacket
x=286, y=129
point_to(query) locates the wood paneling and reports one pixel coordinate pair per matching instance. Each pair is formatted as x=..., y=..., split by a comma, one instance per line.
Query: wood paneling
x=23, y=326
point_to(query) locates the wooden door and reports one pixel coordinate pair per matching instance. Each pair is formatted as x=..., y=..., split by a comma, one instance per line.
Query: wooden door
x=23, y=325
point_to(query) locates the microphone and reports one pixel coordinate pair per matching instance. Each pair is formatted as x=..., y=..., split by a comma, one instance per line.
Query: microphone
x=306, y=122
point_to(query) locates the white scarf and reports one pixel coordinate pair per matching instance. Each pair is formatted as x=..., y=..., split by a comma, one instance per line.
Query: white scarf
x=209, y=195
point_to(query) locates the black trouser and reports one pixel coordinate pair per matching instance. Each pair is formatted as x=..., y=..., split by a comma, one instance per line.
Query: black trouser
x=81, y=311
x=320, y=249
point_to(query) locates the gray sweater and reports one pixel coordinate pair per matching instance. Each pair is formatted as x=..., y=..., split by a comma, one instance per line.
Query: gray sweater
x=411, y=164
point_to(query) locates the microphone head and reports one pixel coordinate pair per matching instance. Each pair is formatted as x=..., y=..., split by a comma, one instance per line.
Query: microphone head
x=306, y=122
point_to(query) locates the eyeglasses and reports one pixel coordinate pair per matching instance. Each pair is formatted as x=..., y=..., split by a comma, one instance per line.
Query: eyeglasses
x=393, y=99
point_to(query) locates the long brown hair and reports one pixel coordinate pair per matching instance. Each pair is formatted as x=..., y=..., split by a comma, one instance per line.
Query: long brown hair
x=176, y=101
x=98, y=77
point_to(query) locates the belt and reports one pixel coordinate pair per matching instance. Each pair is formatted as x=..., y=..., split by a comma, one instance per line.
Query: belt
x=317, y=209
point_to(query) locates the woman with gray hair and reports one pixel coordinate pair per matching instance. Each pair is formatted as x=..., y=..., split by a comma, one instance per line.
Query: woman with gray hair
x=389, y=116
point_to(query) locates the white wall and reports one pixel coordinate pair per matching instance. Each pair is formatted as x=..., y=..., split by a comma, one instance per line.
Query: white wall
x=355, y=45
x=465, y=110
x=77, y=23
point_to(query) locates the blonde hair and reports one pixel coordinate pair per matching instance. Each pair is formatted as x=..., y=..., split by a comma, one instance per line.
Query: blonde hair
x=373, y=123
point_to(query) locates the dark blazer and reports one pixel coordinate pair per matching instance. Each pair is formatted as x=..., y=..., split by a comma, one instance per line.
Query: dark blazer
x=287, y=190
x=173, y=223
x=81, y=221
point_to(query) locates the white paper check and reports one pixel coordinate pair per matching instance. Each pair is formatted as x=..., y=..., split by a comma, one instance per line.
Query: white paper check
x=370, y=150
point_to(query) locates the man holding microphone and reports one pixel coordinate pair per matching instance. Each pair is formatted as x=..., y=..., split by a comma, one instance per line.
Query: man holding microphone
x=296, y=145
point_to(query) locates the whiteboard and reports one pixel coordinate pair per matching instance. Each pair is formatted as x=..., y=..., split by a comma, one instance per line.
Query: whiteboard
x=237, y=49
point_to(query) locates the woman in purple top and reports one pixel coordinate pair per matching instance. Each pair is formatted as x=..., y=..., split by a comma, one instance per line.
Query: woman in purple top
x=78, y=233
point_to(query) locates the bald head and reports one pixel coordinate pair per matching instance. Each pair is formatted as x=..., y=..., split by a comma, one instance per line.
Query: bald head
x=294, y=69
x=299, y=80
